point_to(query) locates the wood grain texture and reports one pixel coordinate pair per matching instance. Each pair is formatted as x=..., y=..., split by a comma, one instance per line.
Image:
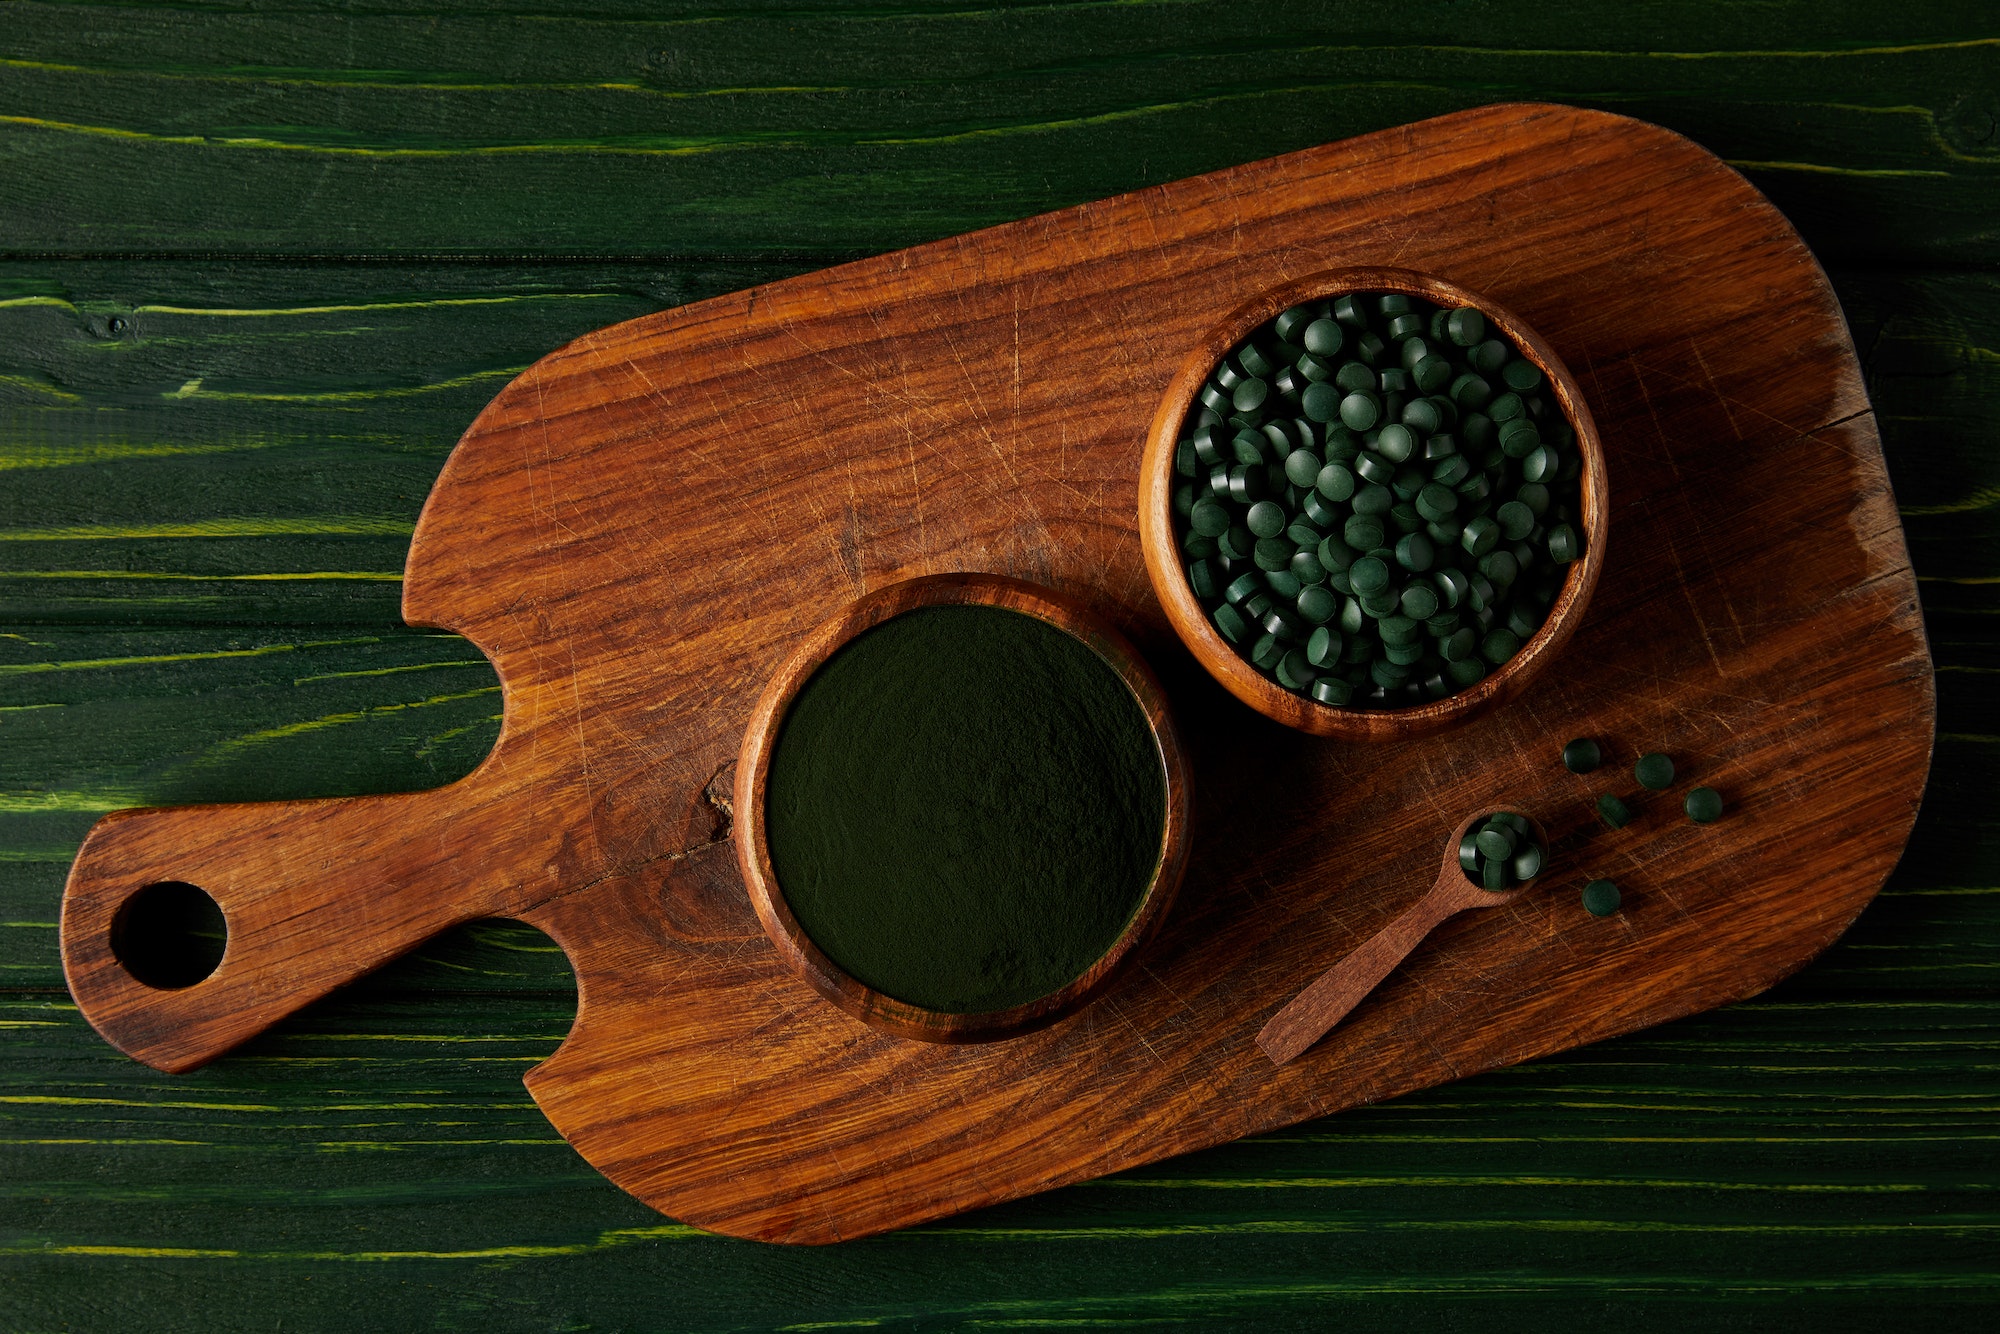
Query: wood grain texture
x=1726, y=390
x=1224, y=661
x=682, y=129
x=753, y=772
x=1332, y=996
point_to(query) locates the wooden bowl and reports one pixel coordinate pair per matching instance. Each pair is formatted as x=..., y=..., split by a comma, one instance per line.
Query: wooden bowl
x=753, y=768
x=1162, y=551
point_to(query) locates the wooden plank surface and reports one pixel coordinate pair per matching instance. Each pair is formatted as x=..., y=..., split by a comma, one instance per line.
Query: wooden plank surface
x=1818, y=1151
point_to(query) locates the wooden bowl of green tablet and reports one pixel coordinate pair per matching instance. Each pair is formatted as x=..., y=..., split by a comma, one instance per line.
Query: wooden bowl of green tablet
x=1373, y=503
x=961, y=807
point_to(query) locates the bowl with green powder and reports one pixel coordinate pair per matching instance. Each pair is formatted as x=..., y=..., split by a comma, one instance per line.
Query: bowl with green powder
x=1373, y=504
x=962, y=807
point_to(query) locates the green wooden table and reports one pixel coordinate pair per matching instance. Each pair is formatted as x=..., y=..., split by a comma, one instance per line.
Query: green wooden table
x=262, y=264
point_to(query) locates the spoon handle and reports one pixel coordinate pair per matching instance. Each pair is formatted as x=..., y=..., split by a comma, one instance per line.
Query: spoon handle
x=1340, y=988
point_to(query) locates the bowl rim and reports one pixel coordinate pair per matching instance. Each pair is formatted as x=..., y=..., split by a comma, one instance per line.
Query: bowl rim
x=753, y=853
x=1219, y=658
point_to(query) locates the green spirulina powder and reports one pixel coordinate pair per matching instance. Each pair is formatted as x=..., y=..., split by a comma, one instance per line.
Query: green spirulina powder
x=964, y=808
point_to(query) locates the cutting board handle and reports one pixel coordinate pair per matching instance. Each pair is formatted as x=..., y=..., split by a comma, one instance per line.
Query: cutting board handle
x=313, y=895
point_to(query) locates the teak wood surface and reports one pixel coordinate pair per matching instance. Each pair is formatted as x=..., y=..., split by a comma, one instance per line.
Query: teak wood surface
x=643, y=525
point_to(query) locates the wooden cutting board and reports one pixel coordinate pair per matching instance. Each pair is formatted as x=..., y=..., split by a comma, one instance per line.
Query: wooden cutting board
x=642, y=526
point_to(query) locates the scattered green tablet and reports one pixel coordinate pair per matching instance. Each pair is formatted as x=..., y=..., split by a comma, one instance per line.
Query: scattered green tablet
x=1601, y=898
x=1703, y=805
x=1655, y=772
x=1613, y=811
x=1582, y=755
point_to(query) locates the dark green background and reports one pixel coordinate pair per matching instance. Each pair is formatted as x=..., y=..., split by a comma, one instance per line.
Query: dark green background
x=260, y=264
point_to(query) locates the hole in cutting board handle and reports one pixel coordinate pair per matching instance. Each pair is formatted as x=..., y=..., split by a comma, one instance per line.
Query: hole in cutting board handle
x=170, y=935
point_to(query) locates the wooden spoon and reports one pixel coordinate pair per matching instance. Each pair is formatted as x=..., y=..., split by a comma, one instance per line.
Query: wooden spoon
x=1340, y=988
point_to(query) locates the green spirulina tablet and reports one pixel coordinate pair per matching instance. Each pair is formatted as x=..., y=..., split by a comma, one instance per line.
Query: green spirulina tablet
x=1528, y=862
x=1467, y=671
x=1601, y=898
x=1465, y=326
x=1318, y=512
x=1654, y=772
x=1703, y=805
x=1563, y=544
x=1359, y=411
x=1369, y=574
x=1363, y=532
x=1400, y=464
x=1496, y=843
x=1321, y=402
x=1500, y=567
x=1323, y=338
x=1488, y=357
x=1302, y=467
x=1266, y=519
x=1470, y=392
x=1323, y=646
x=1332, y=690
x=1249, y=395
x=1373, y=501
x=1582, y=755
x=1353, y=377
x=1229, y=623
x=1209, y=518
x=1436, y=501
x=1613, y=811
x=1318, y=604
x=1396, y=443
x=1515, y=519
x=1248, y=483
x=1415, y=553
x=1425, y=416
